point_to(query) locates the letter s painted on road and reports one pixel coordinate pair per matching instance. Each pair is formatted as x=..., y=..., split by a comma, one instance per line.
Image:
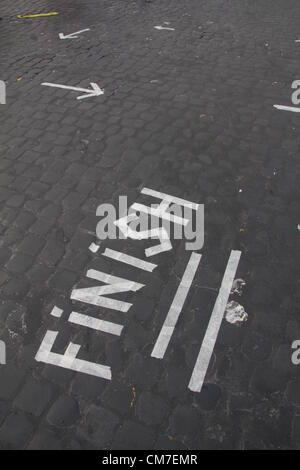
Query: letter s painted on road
x=295, y=95
x=296, y=354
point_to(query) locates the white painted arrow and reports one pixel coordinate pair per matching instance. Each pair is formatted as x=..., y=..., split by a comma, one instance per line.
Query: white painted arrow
x=163, y=27
x=72, y=35
x=95, y=91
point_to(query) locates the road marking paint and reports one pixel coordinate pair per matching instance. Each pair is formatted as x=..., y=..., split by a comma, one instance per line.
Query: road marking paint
x=131, y=260
x=214, y=325
x=170, y=322
x=160, y=212
x=95, y=323
x=171, y=199
x=2, y=92
x=94, y=295
x=160, y=233
x=95, y=91
x=72, y=35
x=94, y=247
x=2, y=353
x=293, y=109
x=38, y=15
x=235, y=313
x=56, y=312
x=160, y=28
x=69, y=359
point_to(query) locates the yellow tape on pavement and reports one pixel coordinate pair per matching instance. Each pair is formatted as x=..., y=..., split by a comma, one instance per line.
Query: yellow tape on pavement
x=38, y=15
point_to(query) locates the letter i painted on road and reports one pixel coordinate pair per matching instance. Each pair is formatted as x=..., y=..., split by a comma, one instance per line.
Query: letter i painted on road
x=2, y=92
x=2, y=353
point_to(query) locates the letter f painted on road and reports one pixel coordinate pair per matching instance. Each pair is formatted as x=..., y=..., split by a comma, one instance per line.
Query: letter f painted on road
x=2, y=92
x=2, y=353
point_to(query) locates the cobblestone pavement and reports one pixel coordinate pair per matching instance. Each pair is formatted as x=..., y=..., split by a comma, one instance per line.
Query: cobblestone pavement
x=188, y=112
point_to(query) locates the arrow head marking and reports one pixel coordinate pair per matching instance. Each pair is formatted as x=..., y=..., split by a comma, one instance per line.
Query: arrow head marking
x=72, y=35
x=88, y=92
x=96, y=91
x=67, y=36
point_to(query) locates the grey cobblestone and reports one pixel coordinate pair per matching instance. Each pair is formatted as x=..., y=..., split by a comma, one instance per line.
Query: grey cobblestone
x=188, y=112
x=100, y=426
x=151, y=409
x=45, y=440
x=133, y=436
x=15, y=431
x=34, y=397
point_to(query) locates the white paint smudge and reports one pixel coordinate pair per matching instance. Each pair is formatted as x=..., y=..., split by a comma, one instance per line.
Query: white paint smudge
x=161, y=28
x=94, y=247
x=237, y=286
x=12, y=334
x=56, y=312
x=235, y=313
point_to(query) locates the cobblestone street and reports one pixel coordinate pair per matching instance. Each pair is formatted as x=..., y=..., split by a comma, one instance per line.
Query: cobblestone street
x=190, y=98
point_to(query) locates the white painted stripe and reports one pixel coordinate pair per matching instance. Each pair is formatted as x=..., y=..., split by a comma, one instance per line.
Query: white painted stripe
x=131, y=260
x=95, y=323
x=293, y=109
x=2, y=353
x=56, y=312
x=66, y=87
x=94, y=91
x=160, y=28
x=169, y=325
x=160, y=212
x=94, y=295
x=214, y=325
x=2, y=92
x=169, y=198
x=115, y=282
x=72, y=350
